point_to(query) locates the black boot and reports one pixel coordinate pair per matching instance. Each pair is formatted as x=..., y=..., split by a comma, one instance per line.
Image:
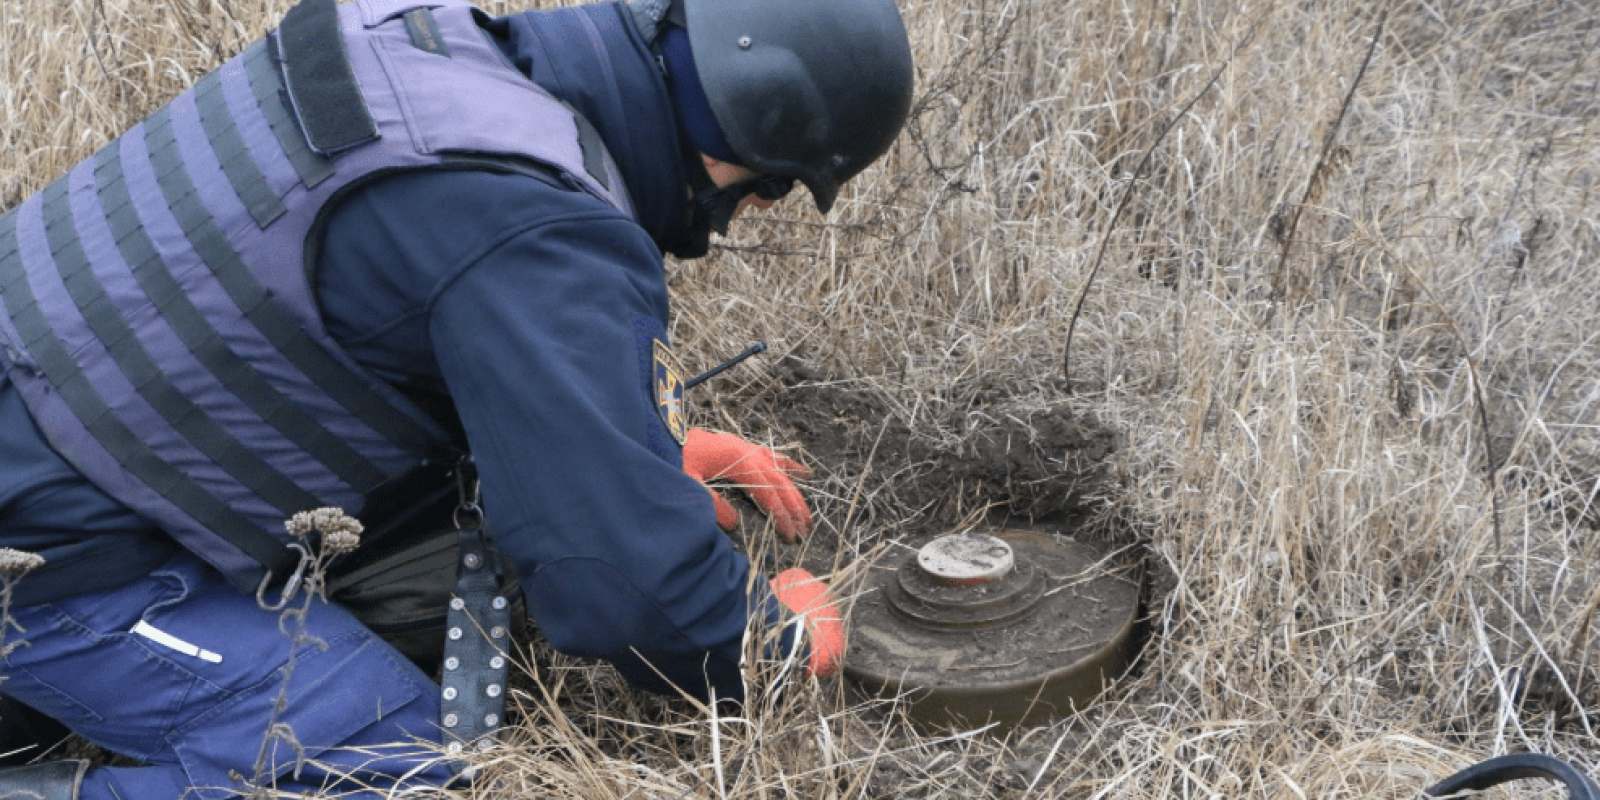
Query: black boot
x=26, y=734
x=49, y=780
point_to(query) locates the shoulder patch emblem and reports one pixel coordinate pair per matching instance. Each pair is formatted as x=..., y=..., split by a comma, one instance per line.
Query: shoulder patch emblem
x=669, y=392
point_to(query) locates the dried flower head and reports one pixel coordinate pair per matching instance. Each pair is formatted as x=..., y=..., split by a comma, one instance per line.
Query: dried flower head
x=16, y=563
x=298, y=525
x=340, y=542
x=341, y=532
x=328, y=520
x=333, y=520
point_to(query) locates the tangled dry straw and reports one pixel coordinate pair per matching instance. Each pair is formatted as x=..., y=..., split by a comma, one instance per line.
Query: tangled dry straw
x=1348, y=330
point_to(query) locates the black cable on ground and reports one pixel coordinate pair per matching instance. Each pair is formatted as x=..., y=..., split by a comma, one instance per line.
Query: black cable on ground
x=1504, y=769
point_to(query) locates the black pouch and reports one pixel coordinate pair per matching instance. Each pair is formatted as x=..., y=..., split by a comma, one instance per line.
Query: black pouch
x=400, y=586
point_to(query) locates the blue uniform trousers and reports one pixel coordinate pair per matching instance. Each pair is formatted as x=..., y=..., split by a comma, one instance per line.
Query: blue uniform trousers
x=180, y=672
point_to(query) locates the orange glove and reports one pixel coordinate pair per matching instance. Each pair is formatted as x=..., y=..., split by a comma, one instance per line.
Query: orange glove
x=807, y=596
x=761, y=473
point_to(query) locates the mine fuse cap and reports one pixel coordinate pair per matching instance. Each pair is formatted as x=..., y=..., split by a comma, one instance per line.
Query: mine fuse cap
x=966, y=559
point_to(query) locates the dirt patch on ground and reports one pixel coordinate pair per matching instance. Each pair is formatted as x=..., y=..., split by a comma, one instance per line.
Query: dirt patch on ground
x=996, y=460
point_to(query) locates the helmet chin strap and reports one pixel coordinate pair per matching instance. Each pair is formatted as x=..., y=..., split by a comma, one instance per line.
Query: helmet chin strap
x=714, y=207
x=711, y=208
x=719, y=205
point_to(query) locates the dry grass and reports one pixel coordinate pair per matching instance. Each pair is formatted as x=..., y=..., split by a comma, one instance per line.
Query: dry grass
x=1360, y=401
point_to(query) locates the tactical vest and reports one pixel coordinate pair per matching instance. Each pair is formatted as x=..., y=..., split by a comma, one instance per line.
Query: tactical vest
x=160, y=324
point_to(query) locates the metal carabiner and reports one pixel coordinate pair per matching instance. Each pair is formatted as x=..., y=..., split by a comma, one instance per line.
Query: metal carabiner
x=290, y=587
x=474, y=514
x=467, y=504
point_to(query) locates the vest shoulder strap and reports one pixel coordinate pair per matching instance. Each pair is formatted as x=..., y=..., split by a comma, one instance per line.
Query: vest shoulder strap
x=320, y=82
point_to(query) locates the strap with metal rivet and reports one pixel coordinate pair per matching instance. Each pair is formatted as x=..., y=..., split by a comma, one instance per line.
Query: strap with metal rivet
x=475, y=658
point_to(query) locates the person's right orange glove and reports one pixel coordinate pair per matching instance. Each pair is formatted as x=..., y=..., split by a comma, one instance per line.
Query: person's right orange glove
x=807, y=596
x=761, y=473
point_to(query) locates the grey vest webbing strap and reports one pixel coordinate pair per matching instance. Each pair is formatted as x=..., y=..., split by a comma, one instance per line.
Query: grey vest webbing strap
x=52, y=358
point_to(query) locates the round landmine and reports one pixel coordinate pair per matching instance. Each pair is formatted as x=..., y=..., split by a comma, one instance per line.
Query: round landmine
x=1014, y=628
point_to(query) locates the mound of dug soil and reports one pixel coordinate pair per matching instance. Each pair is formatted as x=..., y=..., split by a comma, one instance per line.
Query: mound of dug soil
x=999, y=459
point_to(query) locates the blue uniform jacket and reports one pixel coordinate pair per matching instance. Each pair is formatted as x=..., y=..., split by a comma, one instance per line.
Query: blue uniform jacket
x=529, y=310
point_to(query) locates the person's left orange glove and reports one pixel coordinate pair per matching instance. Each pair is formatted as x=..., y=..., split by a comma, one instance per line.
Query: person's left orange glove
x=761, y=473
x=807, y=595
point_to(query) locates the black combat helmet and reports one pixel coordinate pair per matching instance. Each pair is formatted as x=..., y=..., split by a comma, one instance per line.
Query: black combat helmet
x=808, y=89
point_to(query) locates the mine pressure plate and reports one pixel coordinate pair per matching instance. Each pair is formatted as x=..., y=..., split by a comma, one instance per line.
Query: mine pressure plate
x=1013, y=627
